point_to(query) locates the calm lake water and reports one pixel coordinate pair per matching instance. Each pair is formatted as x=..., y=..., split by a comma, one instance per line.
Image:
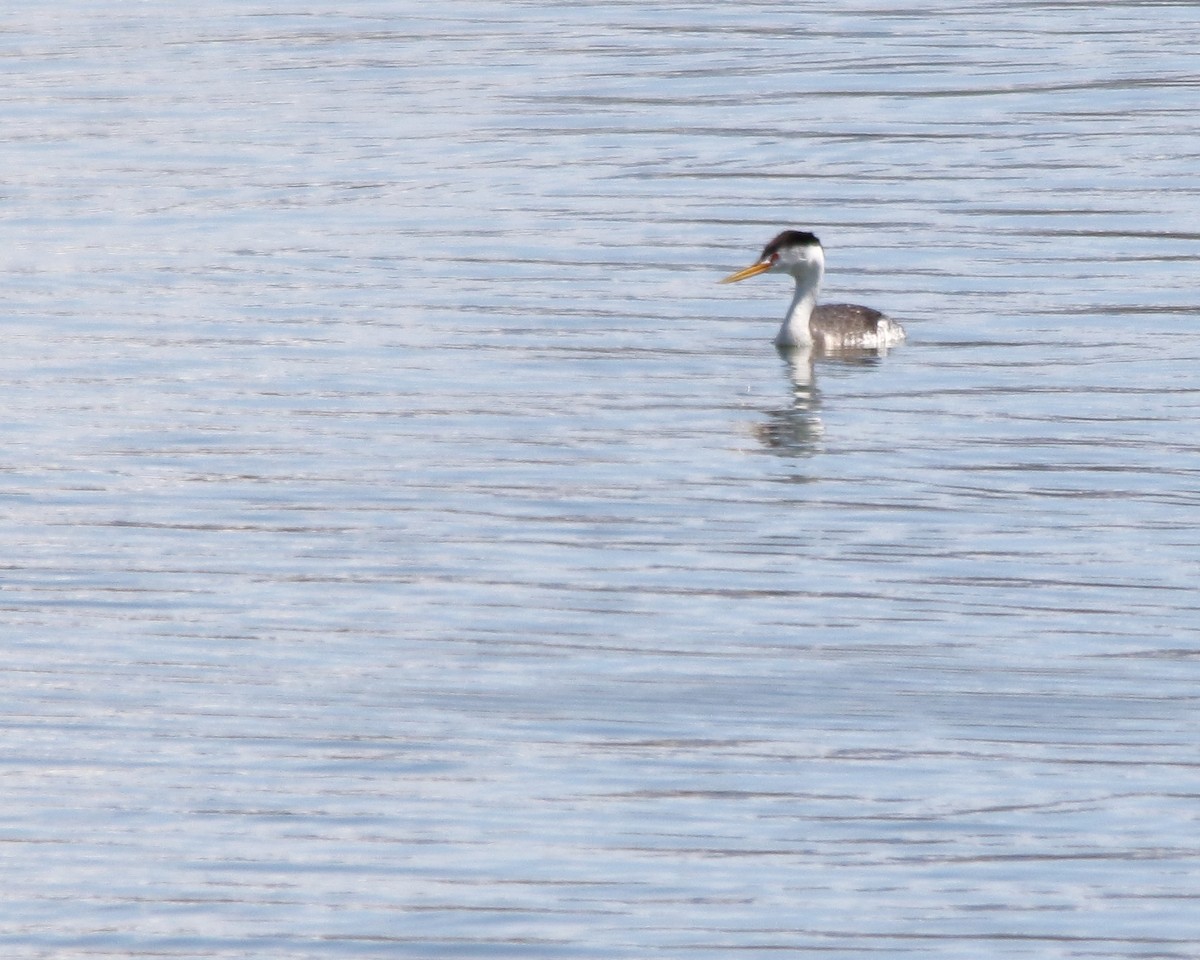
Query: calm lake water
x=409, y=550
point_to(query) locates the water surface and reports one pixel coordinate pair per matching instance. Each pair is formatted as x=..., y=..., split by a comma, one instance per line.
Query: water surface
x=409, y=549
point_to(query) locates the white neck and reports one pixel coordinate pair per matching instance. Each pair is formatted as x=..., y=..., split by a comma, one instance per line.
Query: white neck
x=795, y=331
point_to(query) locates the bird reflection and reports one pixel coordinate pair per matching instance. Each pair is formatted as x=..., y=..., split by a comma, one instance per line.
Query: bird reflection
x=795, y=430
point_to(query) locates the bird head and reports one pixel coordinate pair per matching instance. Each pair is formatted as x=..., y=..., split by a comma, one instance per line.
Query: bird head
x=794, y=252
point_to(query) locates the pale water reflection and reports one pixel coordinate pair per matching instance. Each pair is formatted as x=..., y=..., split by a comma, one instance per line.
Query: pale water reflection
x=796, y=429
x=410, y=550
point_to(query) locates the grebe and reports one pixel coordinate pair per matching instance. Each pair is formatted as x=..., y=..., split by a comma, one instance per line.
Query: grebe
x=799, y=253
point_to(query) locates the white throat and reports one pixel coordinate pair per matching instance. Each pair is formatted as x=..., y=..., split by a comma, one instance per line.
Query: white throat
x=807, y=272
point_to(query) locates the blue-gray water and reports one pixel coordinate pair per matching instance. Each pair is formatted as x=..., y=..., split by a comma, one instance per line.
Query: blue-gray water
x=410, y=551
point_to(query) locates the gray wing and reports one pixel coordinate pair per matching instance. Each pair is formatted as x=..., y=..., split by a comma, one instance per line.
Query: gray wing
x=849, y=324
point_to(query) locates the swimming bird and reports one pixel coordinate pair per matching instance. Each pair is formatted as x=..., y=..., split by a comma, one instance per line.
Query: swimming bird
x=799, y=254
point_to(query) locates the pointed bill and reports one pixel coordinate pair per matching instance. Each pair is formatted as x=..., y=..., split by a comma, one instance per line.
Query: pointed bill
x=751, y=271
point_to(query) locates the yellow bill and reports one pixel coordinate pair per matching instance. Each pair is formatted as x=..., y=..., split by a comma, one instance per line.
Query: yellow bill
x=751, y=271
